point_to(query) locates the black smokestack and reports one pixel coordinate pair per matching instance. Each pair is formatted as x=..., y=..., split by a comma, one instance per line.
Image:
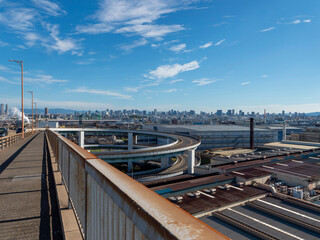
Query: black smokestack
x=251, y=132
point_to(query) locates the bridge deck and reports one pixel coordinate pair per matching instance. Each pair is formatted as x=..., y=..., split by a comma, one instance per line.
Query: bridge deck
x=27, y=197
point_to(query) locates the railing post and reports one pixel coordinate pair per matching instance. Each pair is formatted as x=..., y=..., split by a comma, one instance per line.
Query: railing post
x=86, y=204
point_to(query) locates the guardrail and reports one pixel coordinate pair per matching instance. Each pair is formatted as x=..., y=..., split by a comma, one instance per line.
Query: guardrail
x=6, y=142
x=111, y=205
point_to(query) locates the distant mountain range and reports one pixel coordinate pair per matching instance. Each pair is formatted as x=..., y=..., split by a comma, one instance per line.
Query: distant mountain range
x=313, y=114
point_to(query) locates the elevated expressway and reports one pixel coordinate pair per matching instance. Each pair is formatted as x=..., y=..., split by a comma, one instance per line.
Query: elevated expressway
x=171, y=145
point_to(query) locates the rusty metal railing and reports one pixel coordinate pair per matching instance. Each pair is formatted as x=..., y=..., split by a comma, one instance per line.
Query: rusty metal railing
x=6, y=142
x=111, y=205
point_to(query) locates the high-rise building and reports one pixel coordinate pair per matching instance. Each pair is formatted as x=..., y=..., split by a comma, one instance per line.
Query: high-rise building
x=7, y=109
x=283, y=112
x=229, y=112
x=46, y=111
x=2, y=109
x=219, y=113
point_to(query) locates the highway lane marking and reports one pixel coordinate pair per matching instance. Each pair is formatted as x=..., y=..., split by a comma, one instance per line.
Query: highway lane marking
x=206, y=194
x=266, y=224
x=314, y=158
x=235, y=187
x=238, y=173
x=282, y=164
x=297, y=161
x=288, y=210
x=267, y=167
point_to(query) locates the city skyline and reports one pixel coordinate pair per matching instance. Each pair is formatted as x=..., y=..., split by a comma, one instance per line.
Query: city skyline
x=200, y=55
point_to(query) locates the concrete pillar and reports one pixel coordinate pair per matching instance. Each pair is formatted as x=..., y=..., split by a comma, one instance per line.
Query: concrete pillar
x=284, y=132
x=135, y=139
x=81, y=138
x=129, y=166
x=164, y=162
x=130, y=141
x=191, y=160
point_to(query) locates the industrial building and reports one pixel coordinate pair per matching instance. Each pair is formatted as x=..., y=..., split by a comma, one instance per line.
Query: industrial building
x=219, y=136
x=310, y=135
x=261, y=193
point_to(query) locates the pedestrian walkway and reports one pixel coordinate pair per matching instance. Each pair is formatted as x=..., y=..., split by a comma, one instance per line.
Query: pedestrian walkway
x=27, y=193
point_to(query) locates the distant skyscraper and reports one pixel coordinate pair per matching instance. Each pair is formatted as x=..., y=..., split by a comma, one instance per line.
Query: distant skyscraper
x=283, y=112
x=7, y=109
x=46, y=111
x=219, y=113
x=2, y=109
x=229, y=112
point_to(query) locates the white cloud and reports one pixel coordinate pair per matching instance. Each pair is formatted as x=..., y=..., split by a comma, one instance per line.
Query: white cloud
x=264, y=76
x=166, y=71
x=170, y=90
x=101, y=92
x=203, y=81
x=18, y=18
x=46, y=79
x=220, y=42
x=85, y=62
x=297, y=21
x=59, y=44
x=267, y=29
x=245, y=83
x=3, y=44
x=150, y=30
x=135, y=17
x=4, y=68
x=178, y=48
x=2, y=79
x=50, y=8
x=97, y=28
x=132, y=89
x=209, y=44
x=176, y=80
x=137, y=43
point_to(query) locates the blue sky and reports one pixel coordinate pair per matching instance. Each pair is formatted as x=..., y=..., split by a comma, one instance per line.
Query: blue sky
x=176, y=54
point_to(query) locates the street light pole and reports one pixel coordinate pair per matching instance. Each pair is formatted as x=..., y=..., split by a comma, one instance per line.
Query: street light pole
x=32, y=108
x=22, y=112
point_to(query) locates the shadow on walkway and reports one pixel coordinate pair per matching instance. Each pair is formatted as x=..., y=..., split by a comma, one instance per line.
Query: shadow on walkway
x=50, y=226
x=4, y=165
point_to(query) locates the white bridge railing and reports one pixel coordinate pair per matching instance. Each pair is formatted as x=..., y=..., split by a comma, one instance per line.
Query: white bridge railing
x=111, y=205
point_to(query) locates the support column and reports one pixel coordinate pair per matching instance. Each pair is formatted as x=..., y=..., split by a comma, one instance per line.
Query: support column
x=81, y=138
x=130, y=141
x=129, y=166
x=284, y=132
x=191, y=160
x=135, y=139
x=164, y=162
